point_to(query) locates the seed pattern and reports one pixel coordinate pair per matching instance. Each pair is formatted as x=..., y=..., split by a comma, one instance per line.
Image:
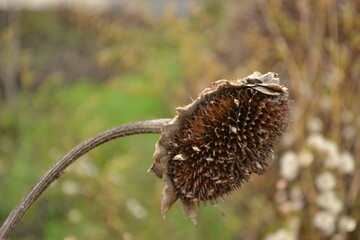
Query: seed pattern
x=226, y=139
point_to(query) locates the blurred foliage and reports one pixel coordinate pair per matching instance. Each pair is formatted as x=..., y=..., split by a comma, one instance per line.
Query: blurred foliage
x=80, y=73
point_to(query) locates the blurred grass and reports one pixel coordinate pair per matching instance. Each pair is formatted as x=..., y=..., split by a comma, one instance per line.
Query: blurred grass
x=81, y=73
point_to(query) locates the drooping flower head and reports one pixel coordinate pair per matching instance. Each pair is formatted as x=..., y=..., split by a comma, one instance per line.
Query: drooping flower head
x=218, y=141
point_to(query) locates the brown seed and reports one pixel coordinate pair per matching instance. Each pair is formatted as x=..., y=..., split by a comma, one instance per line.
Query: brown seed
x=218, y=141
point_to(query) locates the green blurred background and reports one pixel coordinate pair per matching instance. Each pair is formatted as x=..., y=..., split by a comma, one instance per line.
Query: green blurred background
x=69, y=72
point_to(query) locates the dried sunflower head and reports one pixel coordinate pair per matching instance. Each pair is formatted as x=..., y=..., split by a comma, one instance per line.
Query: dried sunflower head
x=215, y=143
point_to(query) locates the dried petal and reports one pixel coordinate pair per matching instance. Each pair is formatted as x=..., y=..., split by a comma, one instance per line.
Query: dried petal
x=169, y=195
x=189, y=209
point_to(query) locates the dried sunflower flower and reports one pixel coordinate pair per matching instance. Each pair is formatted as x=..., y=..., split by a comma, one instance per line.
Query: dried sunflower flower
x=219, y=140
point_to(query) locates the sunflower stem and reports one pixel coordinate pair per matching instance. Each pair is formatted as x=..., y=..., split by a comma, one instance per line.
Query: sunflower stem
x=149, y=126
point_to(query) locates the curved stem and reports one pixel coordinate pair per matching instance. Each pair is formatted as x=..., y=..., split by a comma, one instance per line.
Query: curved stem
x=149, y=126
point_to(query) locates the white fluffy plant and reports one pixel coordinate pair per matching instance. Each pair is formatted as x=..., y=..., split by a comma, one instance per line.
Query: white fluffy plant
x=312, y=184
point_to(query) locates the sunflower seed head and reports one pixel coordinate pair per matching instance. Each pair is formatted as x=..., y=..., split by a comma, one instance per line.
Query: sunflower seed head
x=218, y=141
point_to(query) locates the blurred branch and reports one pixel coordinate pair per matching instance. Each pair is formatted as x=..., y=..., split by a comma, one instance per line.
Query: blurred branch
x=10, y=51
x=280, y=40
x=149, y=126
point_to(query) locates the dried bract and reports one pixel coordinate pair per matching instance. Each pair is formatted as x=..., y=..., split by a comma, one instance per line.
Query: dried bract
x=215, y=143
